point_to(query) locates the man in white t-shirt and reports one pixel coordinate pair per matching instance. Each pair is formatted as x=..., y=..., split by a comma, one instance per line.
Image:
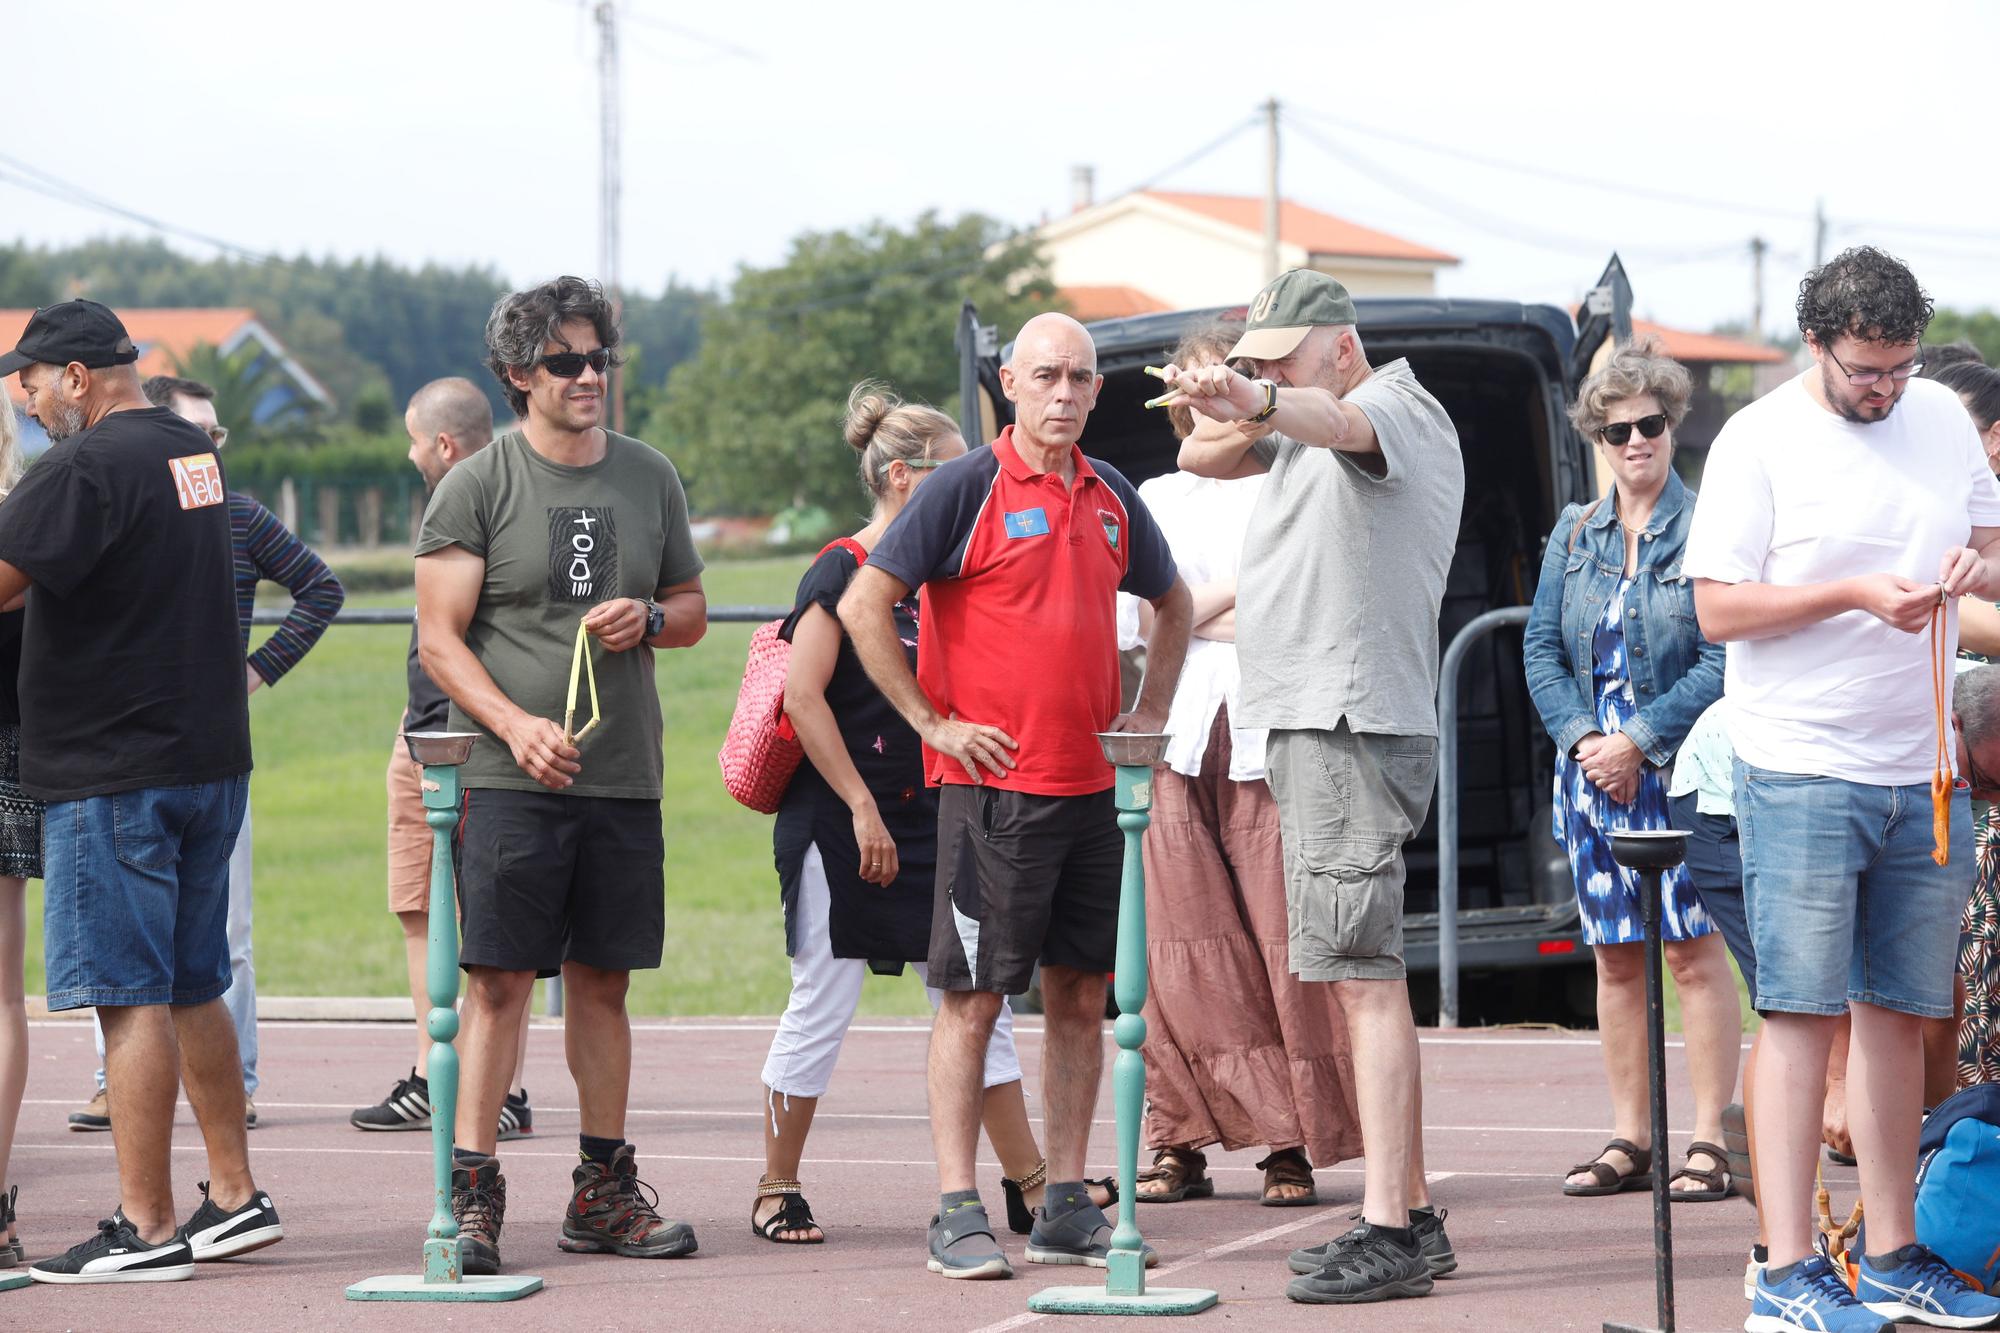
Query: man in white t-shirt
x=1837, y=514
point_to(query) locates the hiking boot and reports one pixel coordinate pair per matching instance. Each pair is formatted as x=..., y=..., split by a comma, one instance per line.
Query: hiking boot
x=408, y=1106
x=516, y=1120
x=1366, y=1264
x=1917, y=1287
x=612, y=1211
x=95, y=1117
x=214, y=1234
x=116, y=1254
x=975, y=1260
x=479, y=1202
x=1070, y=1229
x=1427, y=1224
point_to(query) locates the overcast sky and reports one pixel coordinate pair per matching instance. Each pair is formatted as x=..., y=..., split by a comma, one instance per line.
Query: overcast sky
x=467, y=130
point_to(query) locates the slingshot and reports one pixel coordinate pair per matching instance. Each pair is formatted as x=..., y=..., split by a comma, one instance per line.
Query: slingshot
x=1941, y=779
x=580, y=663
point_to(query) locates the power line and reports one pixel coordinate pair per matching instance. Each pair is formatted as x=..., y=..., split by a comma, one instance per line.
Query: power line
x=32, y=178
x=1192, y=158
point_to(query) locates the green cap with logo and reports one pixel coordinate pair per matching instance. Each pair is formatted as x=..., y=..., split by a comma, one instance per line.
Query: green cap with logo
x=1293, y=305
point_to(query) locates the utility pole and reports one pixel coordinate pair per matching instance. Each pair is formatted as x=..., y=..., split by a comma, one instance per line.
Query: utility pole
x=1270, y=189
x=1758, y=245
x=606, y=13
x=1819, y=232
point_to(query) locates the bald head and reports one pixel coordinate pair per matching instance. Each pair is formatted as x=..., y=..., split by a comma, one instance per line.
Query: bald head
x=1052, y=381
x=448, y=421
x=1053, y=335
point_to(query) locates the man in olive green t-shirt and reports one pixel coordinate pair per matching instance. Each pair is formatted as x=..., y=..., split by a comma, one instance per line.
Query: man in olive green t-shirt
x=560, y=852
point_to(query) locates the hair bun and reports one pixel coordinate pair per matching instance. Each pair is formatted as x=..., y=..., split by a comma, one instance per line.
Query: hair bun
x=867, y=405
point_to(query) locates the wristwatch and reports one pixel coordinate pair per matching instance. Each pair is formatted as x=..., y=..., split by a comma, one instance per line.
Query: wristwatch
x=1270, y=399
x=656, y=617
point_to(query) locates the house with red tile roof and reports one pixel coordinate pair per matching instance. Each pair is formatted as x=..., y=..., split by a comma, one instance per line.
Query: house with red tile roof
x=1175, y=250
x=166, y=335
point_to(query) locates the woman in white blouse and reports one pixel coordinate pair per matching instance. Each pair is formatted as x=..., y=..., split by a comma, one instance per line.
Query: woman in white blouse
x=1238, y=1051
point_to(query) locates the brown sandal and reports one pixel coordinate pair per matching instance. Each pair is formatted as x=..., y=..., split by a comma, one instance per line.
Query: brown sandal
x=1185, y=1172
x=1715, y=1180
x=1610, y=1180
x=1288, y=1166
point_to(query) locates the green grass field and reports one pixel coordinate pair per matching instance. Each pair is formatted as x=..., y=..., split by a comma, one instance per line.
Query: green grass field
x=322, y=739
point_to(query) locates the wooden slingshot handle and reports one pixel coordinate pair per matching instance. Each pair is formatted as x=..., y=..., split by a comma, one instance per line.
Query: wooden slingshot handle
x=1941, y=778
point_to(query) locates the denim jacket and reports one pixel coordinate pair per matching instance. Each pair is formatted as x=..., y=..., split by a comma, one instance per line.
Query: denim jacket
x=1676, y=673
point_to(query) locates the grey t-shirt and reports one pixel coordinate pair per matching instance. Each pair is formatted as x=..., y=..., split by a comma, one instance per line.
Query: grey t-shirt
x=1343, y=571
x=557, y=541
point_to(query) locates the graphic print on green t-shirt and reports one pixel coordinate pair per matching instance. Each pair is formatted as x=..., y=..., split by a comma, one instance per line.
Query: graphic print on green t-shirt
x=583, y=553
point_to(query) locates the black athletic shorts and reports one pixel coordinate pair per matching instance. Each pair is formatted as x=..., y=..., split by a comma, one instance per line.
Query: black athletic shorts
x=545, y=879
x=1021, y=878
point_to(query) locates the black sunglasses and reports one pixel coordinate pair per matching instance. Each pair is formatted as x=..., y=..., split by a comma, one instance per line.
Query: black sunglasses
x=1620, y=432
x=568, y=365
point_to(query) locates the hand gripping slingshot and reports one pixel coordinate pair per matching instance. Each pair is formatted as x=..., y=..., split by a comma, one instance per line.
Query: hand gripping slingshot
x=581, y=664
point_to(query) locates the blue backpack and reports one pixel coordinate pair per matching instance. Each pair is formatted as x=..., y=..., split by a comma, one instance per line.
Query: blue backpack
x=1958, y=1183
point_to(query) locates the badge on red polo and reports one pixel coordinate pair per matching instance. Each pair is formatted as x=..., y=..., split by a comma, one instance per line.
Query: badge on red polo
x=198, y=481
x=1027, y=523
x=1110, y=522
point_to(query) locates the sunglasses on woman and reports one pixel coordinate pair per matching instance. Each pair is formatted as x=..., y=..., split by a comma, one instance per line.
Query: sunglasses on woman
x=1620, y=432
x=568, y=365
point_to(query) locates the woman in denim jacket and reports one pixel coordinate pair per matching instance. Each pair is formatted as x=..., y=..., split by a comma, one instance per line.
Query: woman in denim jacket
x=1619, y=671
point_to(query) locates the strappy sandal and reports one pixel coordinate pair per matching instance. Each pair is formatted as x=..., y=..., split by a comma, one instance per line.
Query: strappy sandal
x=1610, y=1180
x=1021, y=1218
x=1185, y=1172
x=11, y=1252
x=794, y=1214
x=1288, y=1166
x=1714, y=1181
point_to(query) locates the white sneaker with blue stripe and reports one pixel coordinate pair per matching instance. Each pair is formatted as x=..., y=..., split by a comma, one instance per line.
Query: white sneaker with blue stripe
x=1811, y=1298
x=1920, y=1288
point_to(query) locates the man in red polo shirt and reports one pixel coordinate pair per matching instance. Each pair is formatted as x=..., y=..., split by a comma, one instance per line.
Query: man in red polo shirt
x=1021, y=548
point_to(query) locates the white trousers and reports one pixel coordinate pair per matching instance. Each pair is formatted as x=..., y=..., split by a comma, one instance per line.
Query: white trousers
x=825, y=992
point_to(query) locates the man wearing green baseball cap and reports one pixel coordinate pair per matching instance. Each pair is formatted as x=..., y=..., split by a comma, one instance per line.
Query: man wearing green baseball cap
x=1338, y=592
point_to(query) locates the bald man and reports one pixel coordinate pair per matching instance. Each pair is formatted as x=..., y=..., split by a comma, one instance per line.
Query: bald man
x=448, y=421
x=1021, y=548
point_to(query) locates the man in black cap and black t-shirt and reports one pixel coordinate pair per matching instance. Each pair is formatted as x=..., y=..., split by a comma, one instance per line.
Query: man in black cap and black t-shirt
x=135, y=731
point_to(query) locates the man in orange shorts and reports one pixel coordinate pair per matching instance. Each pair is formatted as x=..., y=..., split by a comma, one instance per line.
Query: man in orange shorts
x=448, y=421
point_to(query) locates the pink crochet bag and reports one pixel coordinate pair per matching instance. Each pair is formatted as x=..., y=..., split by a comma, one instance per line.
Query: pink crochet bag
x=760, y=751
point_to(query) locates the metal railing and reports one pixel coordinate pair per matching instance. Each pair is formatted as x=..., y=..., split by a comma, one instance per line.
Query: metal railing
x=403, y=615
x=1448, y=813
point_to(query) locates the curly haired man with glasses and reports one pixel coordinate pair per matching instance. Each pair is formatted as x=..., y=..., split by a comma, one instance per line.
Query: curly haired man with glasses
x=1838, y=515
x=560, y=851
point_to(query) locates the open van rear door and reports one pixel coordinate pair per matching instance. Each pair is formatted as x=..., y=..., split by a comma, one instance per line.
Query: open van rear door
x=982, y=407
x=1603, y=322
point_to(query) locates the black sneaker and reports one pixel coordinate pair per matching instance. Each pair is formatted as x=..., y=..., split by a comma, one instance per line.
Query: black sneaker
x=214, y=1234
x=408, y=1106
x=516, y=1120
x=116, y=1254
x=1432, y=1243
x=479, y=1202
x=1364, y=1265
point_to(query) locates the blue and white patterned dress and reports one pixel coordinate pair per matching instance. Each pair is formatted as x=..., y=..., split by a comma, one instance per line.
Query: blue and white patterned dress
x=1606, y=892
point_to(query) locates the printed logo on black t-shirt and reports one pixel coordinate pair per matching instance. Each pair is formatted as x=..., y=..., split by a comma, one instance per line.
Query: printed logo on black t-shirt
x=583, y=554
x=197, y=481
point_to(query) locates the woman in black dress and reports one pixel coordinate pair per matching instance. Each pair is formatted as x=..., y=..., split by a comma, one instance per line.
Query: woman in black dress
x=20, y=861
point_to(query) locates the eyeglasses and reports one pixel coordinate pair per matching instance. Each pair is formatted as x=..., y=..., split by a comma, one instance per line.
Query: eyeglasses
x=921, y=463
x=1618, y=433
x=1858, y=378
x=568, y=365
x=219, y=434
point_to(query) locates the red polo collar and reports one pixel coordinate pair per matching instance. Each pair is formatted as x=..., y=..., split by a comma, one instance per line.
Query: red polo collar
x=1014, y=466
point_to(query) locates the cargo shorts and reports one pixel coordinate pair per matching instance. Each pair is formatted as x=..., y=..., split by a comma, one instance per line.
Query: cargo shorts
x=1347, y=803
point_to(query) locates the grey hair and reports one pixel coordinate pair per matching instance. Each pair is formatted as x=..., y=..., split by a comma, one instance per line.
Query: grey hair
x=1639, y=368
x=10, y=446
x=523, y=323
x=453, y=406
x=1975, y=698
x=884, y=429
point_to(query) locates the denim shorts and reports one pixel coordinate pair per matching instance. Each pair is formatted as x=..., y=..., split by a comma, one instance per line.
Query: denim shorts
x=1845, y=902
x=137, y=895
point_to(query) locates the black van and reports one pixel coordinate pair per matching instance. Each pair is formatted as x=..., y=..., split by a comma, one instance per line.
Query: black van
x=1506, y=372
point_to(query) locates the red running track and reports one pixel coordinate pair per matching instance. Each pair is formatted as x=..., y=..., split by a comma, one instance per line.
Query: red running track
x=1506, y=1112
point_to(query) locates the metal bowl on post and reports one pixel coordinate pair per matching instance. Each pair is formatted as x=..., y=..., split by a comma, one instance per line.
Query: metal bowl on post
x=1649, y=849
x=1133, y=749
x=443, y=749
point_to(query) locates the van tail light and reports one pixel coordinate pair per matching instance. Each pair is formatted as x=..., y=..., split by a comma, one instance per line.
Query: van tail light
x=1556, y=946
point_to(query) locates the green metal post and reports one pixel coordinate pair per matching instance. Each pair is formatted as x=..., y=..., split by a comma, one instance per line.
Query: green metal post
x=443, y=1277
x=1124, y=1291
